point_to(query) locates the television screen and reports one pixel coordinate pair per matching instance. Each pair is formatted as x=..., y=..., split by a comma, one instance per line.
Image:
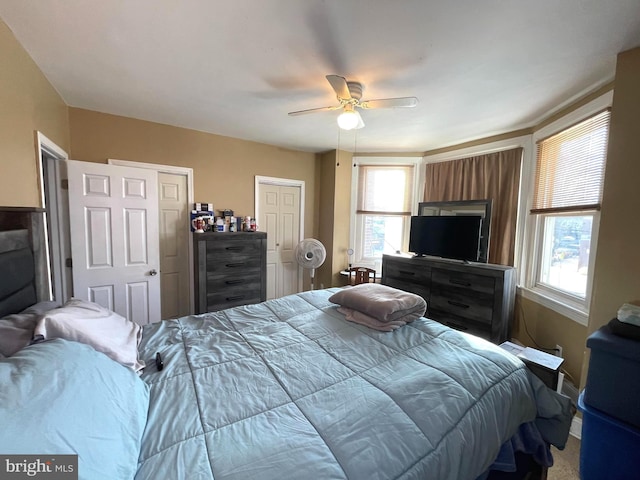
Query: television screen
x=456, y=237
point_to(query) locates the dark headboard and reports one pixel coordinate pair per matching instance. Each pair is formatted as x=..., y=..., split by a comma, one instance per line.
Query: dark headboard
x=17, y=272
x=24, y=265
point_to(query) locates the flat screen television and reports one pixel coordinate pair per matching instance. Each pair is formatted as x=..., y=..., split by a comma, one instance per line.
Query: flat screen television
x=456, y=237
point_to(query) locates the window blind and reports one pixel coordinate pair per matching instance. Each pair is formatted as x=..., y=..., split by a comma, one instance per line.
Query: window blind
x=570, y=167
x=385, y=189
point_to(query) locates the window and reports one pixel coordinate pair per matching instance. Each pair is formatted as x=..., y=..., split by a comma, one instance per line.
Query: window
x=383, y=211
x=567, y=193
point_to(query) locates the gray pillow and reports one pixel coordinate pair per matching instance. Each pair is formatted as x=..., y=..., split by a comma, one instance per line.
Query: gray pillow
x=16, y=330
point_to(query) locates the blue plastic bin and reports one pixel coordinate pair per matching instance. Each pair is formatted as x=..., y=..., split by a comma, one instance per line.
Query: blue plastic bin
x=609, y=448
x=613, y=379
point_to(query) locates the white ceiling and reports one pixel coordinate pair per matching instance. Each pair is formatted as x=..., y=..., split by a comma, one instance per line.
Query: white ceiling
x=236, y=67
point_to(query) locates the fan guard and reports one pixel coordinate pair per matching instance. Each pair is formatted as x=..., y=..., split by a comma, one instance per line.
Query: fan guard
x=310, y=254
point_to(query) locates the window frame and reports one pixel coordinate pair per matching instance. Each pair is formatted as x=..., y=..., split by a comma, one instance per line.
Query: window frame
x=355, y=233
x=359, y=258
x=574, y=302
x=559, y=301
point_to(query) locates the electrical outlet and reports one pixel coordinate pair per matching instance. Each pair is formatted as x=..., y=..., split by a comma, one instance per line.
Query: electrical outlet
x=558, y=350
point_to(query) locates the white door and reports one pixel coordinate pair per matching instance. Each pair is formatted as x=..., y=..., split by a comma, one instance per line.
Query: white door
x=174, y=244
x=113, y=217
x=279, y=216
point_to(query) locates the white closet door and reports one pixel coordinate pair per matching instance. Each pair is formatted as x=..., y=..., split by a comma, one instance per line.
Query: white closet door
x=280, y=218
x=174, y=244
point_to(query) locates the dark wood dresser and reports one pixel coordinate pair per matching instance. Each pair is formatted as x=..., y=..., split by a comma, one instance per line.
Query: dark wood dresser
x=230, y=269
x=473, y=297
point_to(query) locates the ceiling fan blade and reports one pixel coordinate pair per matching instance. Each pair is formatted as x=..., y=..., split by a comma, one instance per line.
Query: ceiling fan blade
x=313, y=110
x=390, y=102
x=339, y=85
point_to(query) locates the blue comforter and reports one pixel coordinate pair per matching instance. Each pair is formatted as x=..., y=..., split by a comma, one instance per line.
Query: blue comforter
x=288, y=389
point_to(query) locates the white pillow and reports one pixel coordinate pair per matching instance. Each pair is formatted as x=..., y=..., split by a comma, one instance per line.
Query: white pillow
x=16, y=330
x=94, y=325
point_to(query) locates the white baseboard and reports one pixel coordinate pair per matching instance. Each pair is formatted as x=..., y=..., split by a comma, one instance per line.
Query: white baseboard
x=576, y=427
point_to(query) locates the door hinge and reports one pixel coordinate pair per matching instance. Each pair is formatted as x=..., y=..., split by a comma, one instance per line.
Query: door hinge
x=68, y=263
x=64, y=184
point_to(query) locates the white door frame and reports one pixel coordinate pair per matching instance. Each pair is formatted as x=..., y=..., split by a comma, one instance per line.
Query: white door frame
x=188, y=172
x=60, y=240
x=287, y=182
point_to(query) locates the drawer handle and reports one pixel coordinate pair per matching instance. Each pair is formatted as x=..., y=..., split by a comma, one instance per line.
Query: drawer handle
x=235, y=249
x=236, y=297
x=457, y=326
x=234, y=265
x=406, y=272
x=457, y=304
x=233, y=282
x=459, y=282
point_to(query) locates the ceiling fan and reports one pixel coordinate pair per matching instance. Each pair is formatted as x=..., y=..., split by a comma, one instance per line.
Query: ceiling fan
x=349, y=95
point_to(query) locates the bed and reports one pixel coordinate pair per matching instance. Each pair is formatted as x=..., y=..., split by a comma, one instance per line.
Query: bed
x=283, y=389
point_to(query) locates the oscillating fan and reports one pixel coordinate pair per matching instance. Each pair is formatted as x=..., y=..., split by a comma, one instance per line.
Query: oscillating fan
x=310, y=253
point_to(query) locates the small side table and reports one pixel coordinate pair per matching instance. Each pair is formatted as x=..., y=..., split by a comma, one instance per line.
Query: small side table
x=544, y=365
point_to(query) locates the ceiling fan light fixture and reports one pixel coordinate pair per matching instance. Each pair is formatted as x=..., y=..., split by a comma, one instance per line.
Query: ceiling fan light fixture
x=349, y=94
x=349, y=119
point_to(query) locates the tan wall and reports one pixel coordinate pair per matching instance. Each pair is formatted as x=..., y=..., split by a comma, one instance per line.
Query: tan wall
x=326, y=202
x=617, y=263
x=334, y=204
x=549, y=329
x=224, y=168
x=342, y=216
x=28, y=104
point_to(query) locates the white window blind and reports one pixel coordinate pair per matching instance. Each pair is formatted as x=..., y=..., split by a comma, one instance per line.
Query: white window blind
x=570, y=167
x=385, y=189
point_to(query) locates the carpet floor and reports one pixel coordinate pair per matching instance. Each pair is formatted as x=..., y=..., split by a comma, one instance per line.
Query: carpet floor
x=566, y=463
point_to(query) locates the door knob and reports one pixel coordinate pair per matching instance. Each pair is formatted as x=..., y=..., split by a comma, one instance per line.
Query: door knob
x=153, y=272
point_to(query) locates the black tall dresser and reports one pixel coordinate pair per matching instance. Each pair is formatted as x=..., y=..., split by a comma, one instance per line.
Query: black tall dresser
x=230, y=269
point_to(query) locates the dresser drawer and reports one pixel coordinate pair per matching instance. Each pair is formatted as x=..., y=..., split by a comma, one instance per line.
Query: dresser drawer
x=469, y=282
x=478, y=308
x=463, y=294
x=247, y=278
x=234, y=264
x=233, y=247
x=407, y=272
x=407, y=286
x=228, y=299
x=230, y=291
x=462, y=324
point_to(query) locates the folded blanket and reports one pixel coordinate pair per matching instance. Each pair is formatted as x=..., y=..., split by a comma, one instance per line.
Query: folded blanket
x=383, y=303
x=364, y=319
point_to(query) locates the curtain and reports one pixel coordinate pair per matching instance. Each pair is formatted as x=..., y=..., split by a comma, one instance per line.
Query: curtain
x=494, y=176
